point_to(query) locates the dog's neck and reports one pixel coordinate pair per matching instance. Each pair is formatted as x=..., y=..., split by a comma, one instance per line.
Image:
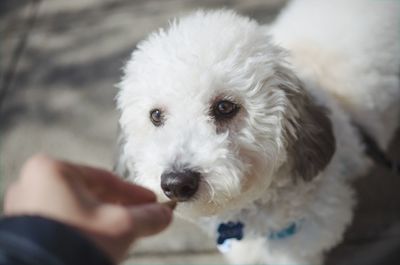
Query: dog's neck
x=275, y=215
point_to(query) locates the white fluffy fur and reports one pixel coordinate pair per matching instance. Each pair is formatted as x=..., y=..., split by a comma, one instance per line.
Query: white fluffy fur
x=346, y=54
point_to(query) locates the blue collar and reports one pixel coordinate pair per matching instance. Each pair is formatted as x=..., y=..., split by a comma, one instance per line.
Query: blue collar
x=286, y=232
x=234, y=230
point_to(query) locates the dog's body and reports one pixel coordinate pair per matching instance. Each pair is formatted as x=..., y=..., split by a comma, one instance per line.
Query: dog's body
x=277, y=159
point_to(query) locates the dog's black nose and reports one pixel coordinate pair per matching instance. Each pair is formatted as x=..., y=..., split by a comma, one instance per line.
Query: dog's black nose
x=180, y=185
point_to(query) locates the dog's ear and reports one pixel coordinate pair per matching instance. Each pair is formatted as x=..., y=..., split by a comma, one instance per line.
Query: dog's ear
x=307, y=130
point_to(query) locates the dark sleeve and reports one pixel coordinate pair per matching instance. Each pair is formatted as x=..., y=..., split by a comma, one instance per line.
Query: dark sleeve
x=33, y=240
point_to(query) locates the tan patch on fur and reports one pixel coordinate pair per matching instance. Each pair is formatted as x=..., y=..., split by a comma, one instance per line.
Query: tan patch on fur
x=327, y=67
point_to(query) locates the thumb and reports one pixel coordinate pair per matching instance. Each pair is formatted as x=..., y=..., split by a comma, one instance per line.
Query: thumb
x=150, y=219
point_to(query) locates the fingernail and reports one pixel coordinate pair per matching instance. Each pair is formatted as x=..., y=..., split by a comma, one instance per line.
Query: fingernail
x=170, y=204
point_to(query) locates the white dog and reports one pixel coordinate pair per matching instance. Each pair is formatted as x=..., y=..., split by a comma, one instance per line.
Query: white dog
x=251, y=128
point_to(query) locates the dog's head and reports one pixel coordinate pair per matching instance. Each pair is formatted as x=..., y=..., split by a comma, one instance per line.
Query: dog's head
x=211, y=113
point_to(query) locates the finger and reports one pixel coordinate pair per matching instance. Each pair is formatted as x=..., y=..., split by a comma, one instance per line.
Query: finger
x=150, y=219
x=108, y=187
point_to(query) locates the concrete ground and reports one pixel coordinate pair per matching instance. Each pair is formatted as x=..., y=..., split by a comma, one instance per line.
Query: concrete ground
x=59, y=100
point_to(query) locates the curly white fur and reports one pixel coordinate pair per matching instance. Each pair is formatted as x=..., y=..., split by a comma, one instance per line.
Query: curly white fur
x=283, y=158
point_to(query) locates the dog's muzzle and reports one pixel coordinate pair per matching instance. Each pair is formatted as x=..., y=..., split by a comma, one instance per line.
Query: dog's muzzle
x=180, y=186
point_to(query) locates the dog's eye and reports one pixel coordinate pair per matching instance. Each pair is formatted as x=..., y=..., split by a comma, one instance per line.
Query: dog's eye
x=225, y=109
x=156, y=117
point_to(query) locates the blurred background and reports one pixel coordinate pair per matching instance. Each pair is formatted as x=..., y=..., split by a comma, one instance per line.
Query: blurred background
x=59, y=63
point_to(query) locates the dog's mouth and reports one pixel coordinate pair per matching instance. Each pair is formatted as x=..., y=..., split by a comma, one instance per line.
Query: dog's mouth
x=199, y=192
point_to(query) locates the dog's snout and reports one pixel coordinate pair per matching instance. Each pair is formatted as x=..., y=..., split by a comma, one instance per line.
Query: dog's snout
x=180, y=186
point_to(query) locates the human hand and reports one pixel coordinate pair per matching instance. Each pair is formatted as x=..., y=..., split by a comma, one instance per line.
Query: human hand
x=110, y=211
